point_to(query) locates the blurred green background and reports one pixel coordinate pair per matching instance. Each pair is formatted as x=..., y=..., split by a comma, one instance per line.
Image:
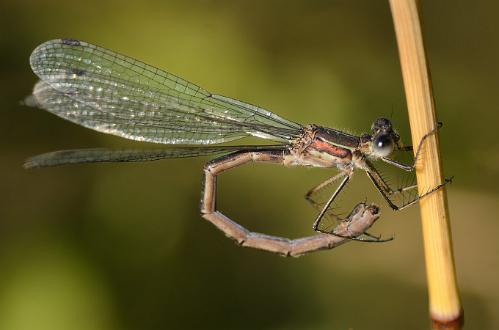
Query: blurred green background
x=121, y=246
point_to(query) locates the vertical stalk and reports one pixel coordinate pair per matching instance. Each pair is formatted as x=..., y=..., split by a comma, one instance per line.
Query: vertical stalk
x=444, y=302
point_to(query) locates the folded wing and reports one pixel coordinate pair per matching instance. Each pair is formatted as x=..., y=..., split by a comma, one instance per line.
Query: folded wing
x=115, y=94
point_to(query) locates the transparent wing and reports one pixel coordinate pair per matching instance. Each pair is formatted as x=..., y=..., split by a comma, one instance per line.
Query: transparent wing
x=112, y=93
x=102, y=155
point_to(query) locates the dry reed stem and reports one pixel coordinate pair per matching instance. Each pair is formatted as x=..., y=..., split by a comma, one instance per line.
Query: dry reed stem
x=444, y=302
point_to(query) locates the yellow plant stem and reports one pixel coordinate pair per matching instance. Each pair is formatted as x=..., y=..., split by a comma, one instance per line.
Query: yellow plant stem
x=444, y=302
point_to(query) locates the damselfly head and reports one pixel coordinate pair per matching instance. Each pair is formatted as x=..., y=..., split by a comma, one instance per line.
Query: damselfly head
x=381, y=125
x=384, y=137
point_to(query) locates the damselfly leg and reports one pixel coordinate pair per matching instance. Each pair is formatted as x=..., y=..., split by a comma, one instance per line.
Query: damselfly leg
x=411, y=167
x=388, y=193
x=347, y=227
x=343, y=226
x=310, y=195
x=379, y=182
x=330, y=200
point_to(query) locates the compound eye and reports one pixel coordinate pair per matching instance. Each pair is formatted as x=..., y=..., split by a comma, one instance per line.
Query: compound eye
x=383, y=145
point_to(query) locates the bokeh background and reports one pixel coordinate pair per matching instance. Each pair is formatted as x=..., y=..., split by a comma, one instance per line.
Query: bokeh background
x=121, y=246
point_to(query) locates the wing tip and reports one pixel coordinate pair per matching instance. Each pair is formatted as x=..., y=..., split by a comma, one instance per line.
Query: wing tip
x=49, y=159
x=30, y=163
x=38, y=52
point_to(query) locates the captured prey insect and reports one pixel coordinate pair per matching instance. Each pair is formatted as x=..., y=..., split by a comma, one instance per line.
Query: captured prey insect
x=115, y=94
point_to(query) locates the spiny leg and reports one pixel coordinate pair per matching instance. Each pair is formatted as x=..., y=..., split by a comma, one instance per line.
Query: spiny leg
x=387, y=192
x=309, y=196
x=330, y=201
x=410, y=168
x=370, y=238
x=347, y=228
x=378, y=237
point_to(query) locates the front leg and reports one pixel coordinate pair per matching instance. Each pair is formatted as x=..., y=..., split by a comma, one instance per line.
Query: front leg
x=388, y=193
x=410, y=168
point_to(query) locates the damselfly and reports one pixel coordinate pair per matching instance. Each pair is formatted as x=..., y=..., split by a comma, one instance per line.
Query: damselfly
x=115, y=94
